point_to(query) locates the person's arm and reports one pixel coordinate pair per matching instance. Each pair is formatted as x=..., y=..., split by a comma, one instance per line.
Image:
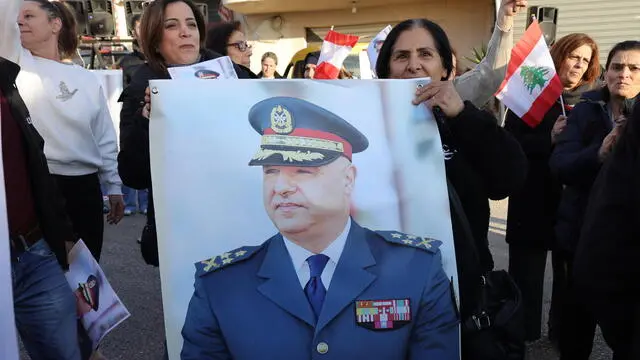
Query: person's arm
x=106, y=139
x=436, y=333
x=10, y=45
x=479, y=84
x=573, y=161
x=134, y=164
x=494, y=154
x=201, y=333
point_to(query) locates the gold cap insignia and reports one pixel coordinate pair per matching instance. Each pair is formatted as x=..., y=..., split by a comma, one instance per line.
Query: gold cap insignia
x=281, y=120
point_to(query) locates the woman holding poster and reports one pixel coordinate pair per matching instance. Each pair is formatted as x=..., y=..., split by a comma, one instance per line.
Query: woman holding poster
x=166, y=43
x=483, y=161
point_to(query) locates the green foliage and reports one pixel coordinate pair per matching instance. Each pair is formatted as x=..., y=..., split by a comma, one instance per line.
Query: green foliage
x=478, y=54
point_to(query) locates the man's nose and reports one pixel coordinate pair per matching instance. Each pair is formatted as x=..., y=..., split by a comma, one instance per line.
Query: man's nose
x=283, y=184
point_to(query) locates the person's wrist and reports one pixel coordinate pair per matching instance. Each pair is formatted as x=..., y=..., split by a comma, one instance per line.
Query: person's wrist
x=505, y=22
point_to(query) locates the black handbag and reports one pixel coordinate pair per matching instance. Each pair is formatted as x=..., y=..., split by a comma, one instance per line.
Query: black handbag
x=495, y=330
x=492, y=324
x=149, y=245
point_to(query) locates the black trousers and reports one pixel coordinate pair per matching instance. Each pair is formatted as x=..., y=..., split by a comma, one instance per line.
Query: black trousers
x=620, y=324
x=526, y=267
x=559, y=288
x=577, y=324
x=83, y=198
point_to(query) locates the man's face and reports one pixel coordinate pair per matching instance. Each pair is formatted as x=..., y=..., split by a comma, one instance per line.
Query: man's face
x=304, y=199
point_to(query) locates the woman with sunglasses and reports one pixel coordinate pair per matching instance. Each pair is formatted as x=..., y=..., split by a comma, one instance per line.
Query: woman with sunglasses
x=229, y=40
x=172, y=34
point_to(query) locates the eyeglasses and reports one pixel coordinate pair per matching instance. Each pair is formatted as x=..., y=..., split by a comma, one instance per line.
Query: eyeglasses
x=240, y=45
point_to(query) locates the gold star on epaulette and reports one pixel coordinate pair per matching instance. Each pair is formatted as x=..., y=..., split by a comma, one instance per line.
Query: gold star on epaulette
x=218, y=262
x=429, y=243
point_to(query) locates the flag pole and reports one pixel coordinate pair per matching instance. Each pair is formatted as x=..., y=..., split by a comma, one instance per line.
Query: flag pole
x=564, y=113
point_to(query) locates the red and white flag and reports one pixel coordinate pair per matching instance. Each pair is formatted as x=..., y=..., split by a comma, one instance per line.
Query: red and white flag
x=531, y=85
x=335, y=49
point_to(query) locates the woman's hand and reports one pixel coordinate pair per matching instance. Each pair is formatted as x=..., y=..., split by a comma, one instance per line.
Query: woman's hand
x=146, y=110
x=609, y=142
x=116, y=213
x=508, y=10
x=558, y=127
x=442, y=94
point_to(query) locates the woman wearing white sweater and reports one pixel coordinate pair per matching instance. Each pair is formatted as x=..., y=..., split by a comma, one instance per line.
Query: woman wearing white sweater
x=68, y=108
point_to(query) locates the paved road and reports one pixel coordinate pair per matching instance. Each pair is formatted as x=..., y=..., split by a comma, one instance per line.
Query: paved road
x=138, y=285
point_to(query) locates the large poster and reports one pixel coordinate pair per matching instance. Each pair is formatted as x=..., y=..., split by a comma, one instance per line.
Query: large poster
x=8, y=339
x=209, y=201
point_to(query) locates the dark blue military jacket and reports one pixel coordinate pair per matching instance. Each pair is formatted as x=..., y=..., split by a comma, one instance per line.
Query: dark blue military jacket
x=389, y=299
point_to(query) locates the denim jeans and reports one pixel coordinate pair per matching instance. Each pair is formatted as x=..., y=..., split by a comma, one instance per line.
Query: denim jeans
x=135, y=199
x=44, y=305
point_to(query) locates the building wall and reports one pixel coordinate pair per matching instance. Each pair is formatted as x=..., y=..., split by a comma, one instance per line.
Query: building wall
x=607, y=22
x=468, y=23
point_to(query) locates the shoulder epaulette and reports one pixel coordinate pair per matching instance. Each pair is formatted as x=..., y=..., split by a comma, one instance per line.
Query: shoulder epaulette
x=221, y=261
x=423, y=243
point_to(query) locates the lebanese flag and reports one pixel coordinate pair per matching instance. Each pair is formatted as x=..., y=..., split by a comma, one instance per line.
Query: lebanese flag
x=531, y=85
x=335, y=49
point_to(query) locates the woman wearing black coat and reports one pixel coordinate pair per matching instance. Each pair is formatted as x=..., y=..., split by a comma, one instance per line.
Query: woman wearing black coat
x=176, y=42
x=606, y=268
x=579, y=153
x=532, y=210
x=482, y=160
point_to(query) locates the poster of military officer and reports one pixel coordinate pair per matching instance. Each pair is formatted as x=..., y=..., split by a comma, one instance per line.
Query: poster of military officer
x=298, y=231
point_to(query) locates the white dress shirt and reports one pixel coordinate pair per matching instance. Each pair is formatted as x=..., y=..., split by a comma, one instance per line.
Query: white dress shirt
x=299, y=257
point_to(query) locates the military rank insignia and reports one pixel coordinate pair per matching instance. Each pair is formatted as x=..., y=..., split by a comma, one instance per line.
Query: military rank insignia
x=281, y=120
x=428, y=244
x=383, y=314
x=218, y=262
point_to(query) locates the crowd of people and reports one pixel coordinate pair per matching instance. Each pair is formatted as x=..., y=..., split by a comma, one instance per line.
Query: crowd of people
x=573, y=181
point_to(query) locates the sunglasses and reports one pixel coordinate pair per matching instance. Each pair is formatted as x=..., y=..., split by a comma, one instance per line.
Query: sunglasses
x=240, y=45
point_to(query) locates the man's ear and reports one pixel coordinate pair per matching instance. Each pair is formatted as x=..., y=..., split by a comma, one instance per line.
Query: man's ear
x=350, y=177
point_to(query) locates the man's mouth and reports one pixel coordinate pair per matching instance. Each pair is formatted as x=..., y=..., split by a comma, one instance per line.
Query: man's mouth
x=287, y=206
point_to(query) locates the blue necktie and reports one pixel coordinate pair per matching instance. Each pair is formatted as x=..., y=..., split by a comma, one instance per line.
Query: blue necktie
x=314, y=289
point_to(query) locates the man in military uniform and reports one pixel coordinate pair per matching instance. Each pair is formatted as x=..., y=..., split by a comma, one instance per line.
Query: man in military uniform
x=323, y=287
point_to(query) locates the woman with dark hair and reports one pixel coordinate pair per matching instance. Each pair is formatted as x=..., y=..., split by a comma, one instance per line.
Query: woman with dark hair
x=606, y=269
x=228, y=39
x=420, y=48
x=69, y=109
x=580, y=150
x=532, y=210
x=482, y=160
x=172, y=34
